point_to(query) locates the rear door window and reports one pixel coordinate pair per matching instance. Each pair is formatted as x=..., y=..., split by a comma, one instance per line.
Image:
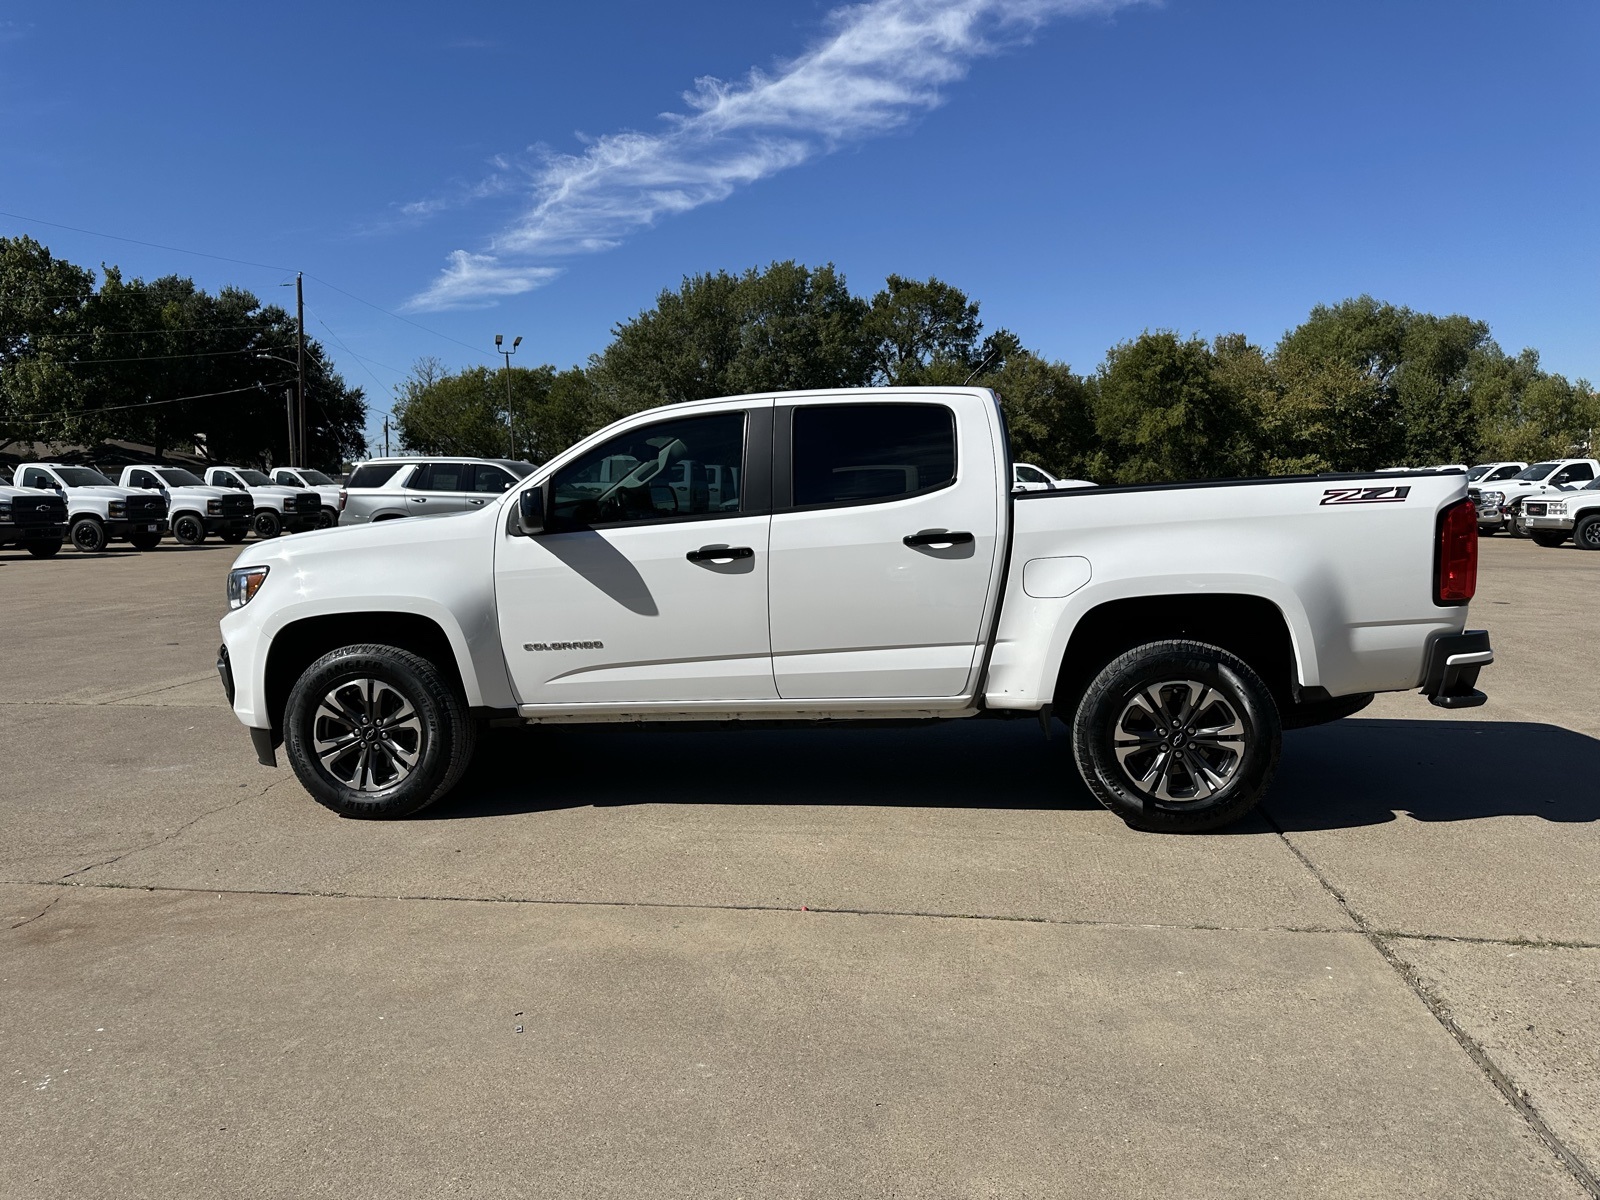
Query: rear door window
x=866, y=453
x=491, y=480
x=440, y=477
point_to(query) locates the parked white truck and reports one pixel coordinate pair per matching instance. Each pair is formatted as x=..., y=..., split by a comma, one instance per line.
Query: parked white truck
x=1551, y=520
x=872, y=563
x=194, y=509
x=304, y=479
x=98, y=511
x=1500, y=504
x=275, y=509
x=32, y=519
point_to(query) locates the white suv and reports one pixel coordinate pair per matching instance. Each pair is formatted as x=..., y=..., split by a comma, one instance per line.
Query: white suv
x=385, y=488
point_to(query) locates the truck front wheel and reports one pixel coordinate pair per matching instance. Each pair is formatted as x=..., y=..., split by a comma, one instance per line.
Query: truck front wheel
x=189, y=529
x=376, y=731
x=88, y=535
x=1177, y=737
x=1586, y=533
x=266, y=523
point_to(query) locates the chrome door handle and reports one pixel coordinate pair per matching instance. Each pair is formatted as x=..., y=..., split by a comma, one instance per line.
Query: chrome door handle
x=419, y=499
x=474, y=501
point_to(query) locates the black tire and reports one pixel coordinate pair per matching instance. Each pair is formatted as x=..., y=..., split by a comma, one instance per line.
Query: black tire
x=327, y=519
x=189, y=530
x=144, y=540
x=1586, y=533
x=439, y=736
x=1488, y=530
x=1514, y=524
x=233, y=536
x=88, y=535
x=44, y=549
x=1549, y=538
x=1235, y=755
x=266, y=523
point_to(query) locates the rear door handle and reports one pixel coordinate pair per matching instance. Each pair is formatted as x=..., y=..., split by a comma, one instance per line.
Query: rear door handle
x=419, y=499
x=938, y=537
x=720, y=553
x=474, y=501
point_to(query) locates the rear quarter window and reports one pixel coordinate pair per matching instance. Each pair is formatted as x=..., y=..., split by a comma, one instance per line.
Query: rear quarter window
x=371, y=475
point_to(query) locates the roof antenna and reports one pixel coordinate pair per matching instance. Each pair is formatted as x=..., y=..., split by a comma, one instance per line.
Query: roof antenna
x=978, y=370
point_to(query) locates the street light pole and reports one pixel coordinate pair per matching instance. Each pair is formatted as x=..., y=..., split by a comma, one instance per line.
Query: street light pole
x=511, y=425
x=300, y=363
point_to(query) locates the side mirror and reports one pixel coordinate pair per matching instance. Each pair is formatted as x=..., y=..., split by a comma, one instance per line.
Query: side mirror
x=530, y=511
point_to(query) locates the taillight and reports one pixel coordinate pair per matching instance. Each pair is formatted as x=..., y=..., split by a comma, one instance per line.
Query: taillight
x=343, y=496
x=1456, y=572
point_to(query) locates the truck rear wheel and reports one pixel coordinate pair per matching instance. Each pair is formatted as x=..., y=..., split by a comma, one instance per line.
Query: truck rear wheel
x=266, y=523
x=88, y=535
x=375, y=731
x=1177, y=737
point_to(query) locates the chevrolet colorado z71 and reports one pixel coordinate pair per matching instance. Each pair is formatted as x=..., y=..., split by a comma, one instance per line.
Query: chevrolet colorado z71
x=857, y=555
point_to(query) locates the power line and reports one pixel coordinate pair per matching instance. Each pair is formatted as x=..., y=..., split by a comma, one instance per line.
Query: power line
x=396, y=316
x=83, y=412
x=99, y=332
x=81, y=362
x=244, y=262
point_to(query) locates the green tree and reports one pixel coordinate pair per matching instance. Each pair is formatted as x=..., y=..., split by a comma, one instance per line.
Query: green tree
x=468, y=413
x=1163, y=414
x=42, y=299
x=921, y=331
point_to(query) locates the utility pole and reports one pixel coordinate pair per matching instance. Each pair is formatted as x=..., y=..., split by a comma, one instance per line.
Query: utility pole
x=288, y=405
x=386, y=436
x=511, y=425
x=300, y=363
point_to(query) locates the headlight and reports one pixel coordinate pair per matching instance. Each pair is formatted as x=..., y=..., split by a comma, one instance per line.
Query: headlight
x=243, y=584
x=1556, y=508
x=5, y=510
x=118, y=508
x=213, y=508
x=1490, y=497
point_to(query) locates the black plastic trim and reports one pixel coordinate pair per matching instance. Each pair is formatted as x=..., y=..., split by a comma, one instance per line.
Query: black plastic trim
x=1454, y=687
x=266, y=743
x=225, y=669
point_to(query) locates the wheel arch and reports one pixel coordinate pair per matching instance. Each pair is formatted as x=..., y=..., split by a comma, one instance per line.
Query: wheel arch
x=300, y=643
x=1253, y=627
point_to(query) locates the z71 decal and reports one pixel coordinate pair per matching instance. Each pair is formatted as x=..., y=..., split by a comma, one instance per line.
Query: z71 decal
x=1366, y=495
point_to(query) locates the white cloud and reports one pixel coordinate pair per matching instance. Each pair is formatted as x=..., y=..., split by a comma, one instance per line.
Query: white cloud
x=476, y=280
x=883, y=63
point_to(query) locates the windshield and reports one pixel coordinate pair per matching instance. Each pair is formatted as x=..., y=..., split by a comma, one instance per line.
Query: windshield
x=82, y=477
x=1537, y=471
x=178, y=477
x=314, y=477
x=254, y=478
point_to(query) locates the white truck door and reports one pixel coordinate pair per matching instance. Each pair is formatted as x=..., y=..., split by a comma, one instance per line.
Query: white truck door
x=639, y=590
x=870, y=598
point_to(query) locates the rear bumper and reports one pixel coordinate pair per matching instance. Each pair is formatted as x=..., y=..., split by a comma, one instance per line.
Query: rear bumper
x=1450, y=677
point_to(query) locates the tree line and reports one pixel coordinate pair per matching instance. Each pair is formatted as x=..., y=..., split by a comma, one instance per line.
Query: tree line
x=160, y=363
x=1357, y=386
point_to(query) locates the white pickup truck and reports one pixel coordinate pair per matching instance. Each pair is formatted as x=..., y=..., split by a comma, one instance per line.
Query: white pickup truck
x=304, y=479
x=870, y=563
x=98, y=511
x=1551, y=520
x=276, y=509
x=194, y=508
x=32, y=519
x=1500, y=504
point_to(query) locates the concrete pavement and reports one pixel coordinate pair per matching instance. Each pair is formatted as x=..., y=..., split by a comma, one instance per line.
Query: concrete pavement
x=853, y=962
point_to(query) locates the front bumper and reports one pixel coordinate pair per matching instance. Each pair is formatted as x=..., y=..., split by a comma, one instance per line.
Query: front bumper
x=262, y=739
x=226, y=524
x=120, y=530
x=1491, y=517
x=26, y=535
x=1450, y=677
x=300, y=522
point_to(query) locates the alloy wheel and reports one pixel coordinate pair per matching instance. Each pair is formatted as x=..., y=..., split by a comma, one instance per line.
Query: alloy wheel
x=366, y=735
x=1179, y=742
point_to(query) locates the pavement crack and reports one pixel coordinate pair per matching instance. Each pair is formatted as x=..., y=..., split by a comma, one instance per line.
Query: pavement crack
x=1515, y=1096
x=37, y=915
x=165, y=838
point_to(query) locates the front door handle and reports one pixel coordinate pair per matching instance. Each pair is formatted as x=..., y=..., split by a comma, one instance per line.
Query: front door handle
x=938, y=537
x=419, y=499
x=474, y=501
x=720, y=553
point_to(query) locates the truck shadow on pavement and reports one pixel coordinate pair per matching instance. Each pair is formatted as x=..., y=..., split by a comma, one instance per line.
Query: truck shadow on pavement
x=1367, y=772
x=1351, y=773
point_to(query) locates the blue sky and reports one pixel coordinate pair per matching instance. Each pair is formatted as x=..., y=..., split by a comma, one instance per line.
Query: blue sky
x=1084, y=169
